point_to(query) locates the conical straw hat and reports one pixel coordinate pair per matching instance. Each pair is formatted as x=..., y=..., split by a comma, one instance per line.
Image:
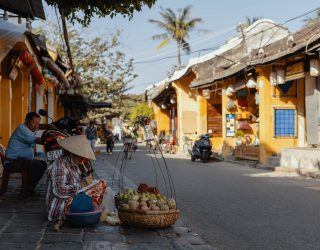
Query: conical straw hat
x=78, y=145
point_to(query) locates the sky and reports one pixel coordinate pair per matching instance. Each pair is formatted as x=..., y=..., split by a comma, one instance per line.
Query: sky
x=219, y=19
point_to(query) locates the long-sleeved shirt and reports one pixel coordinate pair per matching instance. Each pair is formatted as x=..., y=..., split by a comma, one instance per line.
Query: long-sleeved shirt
x=64, y=178
x=91, y=133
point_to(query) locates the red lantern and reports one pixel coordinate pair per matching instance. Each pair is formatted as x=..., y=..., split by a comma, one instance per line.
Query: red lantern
x=35, y=72
x=26, y=58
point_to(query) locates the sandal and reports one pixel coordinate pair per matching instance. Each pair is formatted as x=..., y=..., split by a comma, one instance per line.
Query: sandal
x=58, y=225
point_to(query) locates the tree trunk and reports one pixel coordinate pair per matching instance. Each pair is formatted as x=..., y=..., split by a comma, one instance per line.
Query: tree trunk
x=179, y=56
x=65, y=34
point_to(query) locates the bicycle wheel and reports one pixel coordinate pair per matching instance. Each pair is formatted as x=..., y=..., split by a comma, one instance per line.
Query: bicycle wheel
x=129, y=152
x=125, y=153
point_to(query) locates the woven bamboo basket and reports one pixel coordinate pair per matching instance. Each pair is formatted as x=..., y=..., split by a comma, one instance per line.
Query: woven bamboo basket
x=149, y=219
x=163, y=181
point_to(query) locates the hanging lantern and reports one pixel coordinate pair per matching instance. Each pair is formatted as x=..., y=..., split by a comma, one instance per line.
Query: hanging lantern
x=273, y=78
x=251, y=84
x=206, y=93
x=35, y=72
x=26, y=58
x=163, y=106
x=280, y=76
x=314, y=67
x=173, y=99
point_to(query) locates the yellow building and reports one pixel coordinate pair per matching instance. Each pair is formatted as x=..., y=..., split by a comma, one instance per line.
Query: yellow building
x=257, y=101
x=265, y=98
x=23, y=85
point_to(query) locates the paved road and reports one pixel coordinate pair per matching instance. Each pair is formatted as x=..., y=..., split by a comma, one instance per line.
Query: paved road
x=238, y=207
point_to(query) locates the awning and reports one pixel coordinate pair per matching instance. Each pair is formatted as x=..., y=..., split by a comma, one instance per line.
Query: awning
x=10, y=35
x=24, y=8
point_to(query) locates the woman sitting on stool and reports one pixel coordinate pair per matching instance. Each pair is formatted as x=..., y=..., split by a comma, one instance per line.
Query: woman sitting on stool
x=65, y=179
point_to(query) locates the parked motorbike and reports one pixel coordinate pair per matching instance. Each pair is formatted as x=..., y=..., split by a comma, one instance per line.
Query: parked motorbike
x=61, y=129
x=202, y=148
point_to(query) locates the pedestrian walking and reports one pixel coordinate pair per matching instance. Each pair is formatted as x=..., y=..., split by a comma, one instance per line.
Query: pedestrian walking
x=109, y=139
x=92, y=135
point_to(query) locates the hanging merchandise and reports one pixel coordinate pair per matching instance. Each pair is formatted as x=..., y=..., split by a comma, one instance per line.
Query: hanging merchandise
x=243, y=103
x=243, y=115
x=273, y=78
x=256, y=98
x=251, y=84
x=26, y=58
x=253, y=118
x=230, y=91
x=29, y=62
x=230, y=105
x=280, y=76
x=242, y=93
x=243, y=125
x=35, y=72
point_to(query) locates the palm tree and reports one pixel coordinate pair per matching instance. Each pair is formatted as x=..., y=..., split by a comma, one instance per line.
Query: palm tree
x=177, y=27
x=248, y=22
x=311, y=20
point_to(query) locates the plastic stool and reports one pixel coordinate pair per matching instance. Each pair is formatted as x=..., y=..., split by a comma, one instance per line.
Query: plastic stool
x=6, y=175
x=5, y=180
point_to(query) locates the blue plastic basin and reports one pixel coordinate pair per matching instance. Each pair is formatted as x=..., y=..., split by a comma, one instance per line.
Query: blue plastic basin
x=84, y=219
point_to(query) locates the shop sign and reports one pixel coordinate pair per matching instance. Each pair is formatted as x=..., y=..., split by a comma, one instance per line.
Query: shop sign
x=15, y=69
x=230, y=121
x=294, y=71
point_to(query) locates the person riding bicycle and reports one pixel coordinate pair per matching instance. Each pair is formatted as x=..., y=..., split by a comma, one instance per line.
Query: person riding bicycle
x=127, y=136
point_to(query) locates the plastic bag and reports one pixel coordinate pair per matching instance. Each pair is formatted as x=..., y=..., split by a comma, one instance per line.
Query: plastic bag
x=110, y=218
x=81, y=203
x=108, y=201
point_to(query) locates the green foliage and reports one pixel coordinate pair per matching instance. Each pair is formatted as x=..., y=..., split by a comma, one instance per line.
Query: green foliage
x=248, y=22
x=312, y=20
x=141, y=110
x=103, y=68
x=83, y=11
x=177, y=27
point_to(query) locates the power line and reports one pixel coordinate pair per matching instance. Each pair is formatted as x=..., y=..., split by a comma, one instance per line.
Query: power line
x=192, y=43
x=142, y=61
x=174, y=56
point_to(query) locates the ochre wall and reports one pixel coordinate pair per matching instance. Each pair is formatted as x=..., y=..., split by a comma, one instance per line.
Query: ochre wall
x=163, y=119
x=268, y=143
x=5, y=89
x=187, y=109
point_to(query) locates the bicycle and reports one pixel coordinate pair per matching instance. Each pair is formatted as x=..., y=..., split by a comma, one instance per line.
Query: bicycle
x=127, y=149
x=187, y=145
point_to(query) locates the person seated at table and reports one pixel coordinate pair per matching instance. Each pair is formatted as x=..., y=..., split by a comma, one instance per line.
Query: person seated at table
x=20, y=151
x=65, y=179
